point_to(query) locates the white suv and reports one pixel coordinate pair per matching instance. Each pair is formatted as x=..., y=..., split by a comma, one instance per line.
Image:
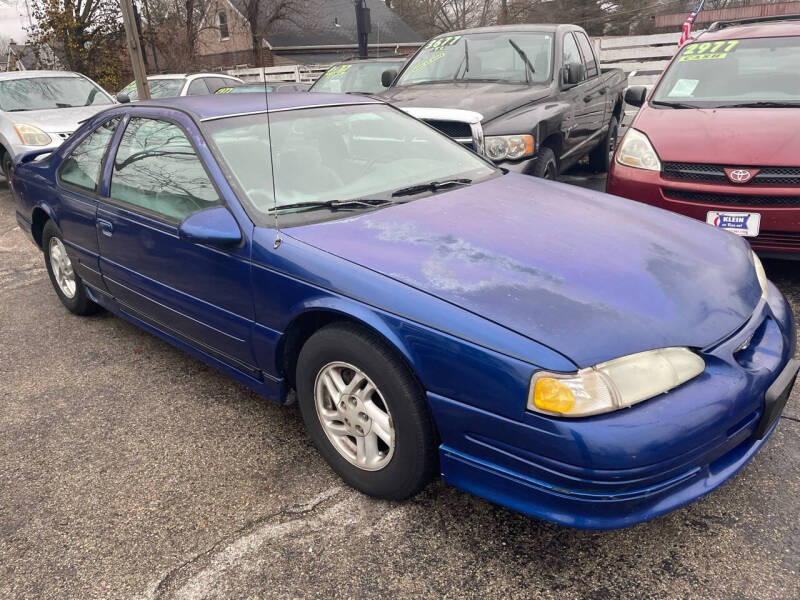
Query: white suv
x=185, y=84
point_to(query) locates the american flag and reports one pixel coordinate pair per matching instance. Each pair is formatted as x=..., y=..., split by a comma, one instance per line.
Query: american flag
x=687, y=25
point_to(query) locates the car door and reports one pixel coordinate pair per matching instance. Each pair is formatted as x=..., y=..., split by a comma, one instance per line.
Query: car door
x=594, y=90
x=79, y=181
x=200, y=294
x=574, y=123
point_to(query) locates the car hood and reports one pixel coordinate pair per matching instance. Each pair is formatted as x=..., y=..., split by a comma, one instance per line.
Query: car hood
x=57, y=120
x=748, y=137
x=590, y=275
x=489, y=99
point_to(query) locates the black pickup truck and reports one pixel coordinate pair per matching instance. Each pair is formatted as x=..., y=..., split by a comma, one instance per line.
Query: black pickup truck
x=532, y=98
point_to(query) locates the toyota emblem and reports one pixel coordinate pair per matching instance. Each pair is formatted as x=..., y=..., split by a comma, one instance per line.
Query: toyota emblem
x=741, y=175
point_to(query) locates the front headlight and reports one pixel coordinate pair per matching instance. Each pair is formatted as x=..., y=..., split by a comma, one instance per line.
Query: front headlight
x=637, y=151
x=612, y=385
x=760, y=273
x=31, y=136
x=508, y=147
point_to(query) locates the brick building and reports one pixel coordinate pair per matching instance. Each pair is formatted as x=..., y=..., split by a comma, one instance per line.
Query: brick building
x=323, y=32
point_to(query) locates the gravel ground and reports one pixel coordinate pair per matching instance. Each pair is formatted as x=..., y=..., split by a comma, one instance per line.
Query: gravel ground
x=130, y=470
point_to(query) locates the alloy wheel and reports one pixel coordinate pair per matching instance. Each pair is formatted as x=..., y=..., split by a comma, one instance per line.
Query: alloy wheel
x=354, y=416
x=61, y=265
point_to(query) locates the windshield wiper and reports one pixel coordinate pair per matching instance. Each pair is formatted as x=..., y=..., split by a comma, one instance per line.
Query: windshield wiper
x=673, y=104
x=762, y=104
x=334, y=204
x=529, y=70
x=433, y=186
x=466, y=62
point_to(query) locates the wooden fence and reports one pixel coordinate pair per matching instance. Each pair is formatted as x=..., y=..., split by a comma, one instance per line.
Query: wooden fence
x=642, y=57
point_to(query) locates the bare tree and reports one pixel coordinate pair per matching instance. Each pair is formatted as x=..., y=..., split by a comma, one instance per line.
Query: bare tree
x=261, y=15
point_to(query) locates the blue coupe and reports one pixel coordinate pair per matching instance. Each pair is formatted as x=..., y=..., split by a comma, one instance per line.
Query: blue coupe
x=572, y=355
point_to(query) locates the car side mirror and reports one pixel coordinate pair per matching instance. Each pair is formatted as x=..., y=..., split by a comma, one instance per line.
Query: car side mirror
x=213, y=226
x=574, y=73
x=387, y=77
x=636, y=95
x=123, y=98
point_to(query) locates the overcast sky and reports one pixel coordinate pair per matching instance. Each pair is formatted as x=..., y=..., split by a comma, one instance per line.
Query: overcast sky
x=12, y=20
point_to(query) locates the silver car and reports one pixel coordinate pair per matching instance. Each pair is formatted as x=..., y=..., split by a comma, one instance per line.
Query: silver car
x=40, y=109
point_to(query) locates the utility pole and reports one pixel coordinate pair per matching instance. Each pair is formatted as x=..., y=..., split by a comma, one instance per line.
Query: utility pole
x=362, y=26
x=135, y=50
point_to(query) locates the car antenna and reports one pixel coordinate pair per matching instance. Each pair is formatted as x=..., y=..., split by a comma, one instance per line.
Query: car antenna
x=276, y=244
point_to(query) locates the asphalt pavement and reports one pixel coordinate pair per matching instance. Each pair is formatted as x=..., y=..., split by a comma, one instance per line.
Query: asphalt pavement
x=129, y=469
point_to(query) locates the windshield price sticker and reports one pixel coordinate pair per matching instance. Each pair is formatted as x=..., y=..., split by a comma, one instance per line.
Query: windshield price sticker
x=225, y=90
x=744, y=224
x=337, y=71
x=708, y=50
x=442, y=43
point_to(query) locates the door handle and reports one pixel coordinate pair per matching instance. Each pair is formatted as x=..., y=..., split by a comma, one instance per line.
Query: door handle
x=106, y=227
x=588, y=98
x=602, y=92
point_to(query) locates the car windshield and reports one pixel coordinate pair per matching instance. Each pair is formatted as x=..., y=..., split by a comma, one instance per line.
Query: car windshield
x=482, y=57
x=354, y=77
x=42, y=93
x=159, y=88
x=337, y=153
x=731, y=72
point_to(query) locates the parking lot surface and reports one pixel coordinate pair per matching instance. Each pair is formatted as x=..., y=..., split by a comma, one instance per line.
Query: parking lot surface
x=129, y=469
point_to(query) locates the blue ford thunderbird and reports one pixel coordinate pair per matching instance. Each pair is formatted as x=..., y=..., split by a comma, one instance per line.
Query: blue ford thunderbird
x=571, y=355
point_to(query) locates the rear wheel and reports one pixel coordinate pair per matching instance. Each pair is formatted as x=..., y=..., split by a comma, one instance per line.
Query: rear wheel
x=8, y=166
x=546, y=166
x=365, y=412
x=66, y=282
x=601, y=157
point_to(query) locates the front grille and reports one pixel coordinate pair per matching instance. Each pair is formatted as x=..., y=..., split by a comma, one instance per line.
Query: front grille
x=716, y=174
x=453, y=129
x=788, y=240
x=693, y=172
x=733, y=199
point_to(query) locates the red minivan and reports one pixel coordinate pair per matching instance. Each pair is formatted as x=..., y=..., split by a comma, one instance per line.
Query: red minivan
x=718, y=138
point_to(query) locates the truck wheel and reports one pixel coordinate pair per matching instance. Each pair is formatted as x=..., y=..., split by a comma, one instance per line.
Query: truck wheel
x=66, y=282
x=601, y=157
x=365, y=412
x=546, y=166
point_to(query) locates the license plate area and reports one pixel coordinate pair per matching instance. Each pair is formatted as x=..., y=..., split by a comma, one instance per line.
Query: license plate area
x=746, y=224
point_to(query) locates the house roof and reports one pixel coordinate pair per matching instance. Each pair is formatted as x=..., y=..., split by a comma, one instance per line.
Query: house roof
x=333, y=23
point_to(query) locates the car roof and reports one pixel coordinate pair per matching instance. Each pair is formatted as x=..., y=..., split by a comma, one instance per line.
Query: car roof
x=185, y=75
x=752, y=30
x=522, y=28
x=382, y=59
x=37, y=73
x=222, y=105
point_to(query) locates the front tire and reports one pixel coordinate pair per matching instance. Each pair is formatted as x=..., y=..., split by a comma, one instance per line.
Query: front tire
x=67, y=283
x=365, y=412
x=546, y=165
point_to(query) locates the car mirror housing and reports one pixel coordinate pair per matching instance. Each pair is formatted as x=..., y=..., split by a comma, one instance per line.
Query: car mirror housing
x=636, y=95
x=123, y=98
x=574, y=73
x=387, y=77
x=213, y=226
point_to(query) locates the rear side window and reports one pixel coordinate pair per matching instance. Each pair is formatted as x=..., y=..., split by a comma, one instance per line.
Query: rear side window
x=198, y=87
x=82, y=167
x=588, y=55
x=156, y=169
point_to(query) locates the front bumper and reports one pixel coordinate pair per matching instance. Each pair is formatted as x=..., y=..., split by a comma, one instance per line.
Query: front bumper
x=780, y=225
x=630, y=466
